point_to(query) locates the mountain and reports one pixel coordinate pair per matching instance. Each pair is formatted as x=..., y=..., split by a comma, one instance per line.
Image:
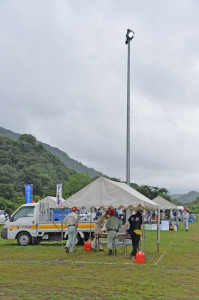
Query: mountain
x=9, y=134
x=69, y=162
x=24, y=161
x=186, y=198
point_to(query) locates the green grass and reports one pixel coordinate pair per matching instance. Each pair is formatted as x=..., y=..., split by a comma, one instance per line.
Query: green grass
x=45, y=272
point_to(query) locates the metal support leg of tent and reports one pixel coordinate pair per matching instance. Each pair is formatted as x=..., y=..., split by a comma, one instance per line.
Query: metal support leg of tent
x=90, y=229
x=62, y=235
x=125, y=246
x=158, y=229
x=143, y=228
x=97, y=242
x=140, y=245
x=177, y=218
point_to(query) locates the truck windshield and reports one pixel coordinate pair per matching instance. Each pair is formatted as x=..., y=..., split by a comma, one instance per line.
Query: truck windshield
x=27, y=211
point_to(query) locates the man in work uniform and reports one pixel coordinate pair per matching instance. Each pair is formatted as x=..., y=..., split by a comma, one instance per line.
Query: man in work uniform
x=72, y=222
x=135, y=222
x=112, y=226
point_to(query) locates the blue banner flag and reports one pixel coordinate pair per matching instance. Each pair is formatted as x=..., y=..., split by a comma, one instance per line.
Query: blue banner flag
x=59, y=194
x=28, y=193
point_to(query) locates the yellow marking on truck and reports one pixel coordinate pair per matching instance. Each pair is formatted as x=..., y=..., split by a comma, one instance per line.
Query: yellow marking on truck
x=86, y=226
x=50, y=226
x=58, y=226
x=22, y=227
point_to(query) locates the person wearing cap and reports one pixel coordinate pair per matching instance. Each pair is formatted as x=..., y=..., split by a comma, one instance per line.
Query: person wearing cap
x=134, y=223
x=112, y=226
x=98, y=230
x=71, y=221
x=185, y=217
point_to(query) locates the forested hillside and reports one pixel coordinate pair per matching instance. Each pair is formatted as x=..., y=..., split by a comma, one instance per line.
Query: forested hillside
x=23, y=161
x=69, y=162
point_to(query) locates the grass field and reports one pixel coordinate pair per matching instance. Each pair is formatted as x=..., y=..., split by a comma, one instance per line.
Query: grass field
x=45, y=272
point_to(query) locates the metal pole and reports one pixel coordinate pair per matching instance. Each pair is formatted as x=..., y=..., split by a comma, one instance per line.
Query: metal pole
x=177, y=219
x=90, y=227
x=128, y=120
x=143, y=227
x=62, y=235
x=158, y=229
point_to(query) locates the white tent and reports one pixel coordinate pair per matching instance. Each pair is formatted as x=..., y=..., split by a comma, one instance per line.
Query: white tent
x=164, y=204
x=51, y=201
x=104, y=193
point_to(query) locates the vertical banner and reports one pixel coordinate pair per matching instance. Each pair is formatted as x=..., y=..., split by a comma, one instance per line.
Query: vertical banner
x=59, y=194
x=28, y=193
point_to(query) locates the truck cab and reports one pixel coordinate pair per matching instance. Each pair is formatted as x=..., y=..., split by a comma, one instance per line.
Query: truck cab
x=22, y=224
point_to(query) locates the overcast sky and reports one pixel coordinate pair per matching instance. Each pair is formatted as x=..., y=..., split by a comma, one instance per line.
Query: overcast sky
x=63, y=79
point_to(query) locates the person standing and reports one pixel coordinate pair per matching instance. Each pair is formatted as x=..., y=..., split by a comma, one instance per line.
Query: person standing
x=135, y=223
x=162, y=214
x=175, y=215
x=98, y=213
x=72, y=222
x=185, y=216
x=98, y=230
x=112, y=226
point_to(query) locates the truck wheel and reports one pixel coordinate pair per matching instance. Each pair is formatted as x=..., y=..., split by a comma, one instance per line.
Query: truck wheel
x=78, y=239
x=24, y=239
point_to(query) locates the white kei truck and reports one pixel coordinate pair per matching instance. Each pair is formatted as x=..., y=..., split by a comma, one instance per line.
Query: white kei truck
x=35, y=222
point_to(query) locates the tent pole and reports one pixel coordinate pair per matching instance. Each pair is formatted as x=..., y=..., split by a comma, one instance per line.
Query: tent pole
x=143, y=228
x=90, y=228
x=177, y=218
x=62, y=234
x=158, y=229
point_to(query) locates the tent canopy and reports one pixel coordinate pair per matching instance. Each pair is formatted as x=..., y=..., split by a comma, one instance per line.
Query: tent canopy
x=51, y=201
x=104, y=193
x=164, y=204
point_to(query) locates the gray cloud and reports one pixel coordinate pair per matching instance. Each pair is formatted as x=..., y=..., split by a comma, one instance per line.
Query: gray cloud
x=63, y=79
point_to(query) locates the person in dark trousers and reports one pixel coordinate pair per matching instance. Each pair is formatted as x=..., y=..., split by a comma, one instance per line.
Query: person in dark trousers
x=112, y=226
x=135, y=223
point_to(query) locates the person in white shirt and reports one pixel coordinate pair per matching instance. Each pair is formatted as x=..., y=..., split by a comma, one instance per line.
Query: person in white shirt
x=72, y=222
x=185, y=216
